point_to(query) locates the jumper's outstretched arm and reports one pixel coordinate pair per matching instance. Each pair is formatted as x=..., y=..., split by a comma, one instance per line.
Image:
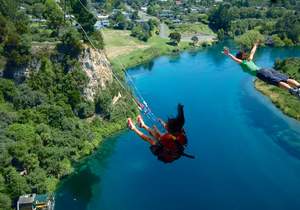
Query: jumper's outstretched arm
x=253, y=50
x=226, y=52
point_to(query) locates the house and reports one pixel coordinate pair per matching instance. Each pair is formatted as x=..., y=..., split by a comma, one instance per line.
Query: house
x=127, y=15
x=101, y=24
x=144, y=9
x=35, y=202
x=69, y=17
x=102, y=21
x=140, y=21
x=38, y=20
x=166, y=13
x=102, y=17
x=176, y=21
x=25, y=202
x=178, y=2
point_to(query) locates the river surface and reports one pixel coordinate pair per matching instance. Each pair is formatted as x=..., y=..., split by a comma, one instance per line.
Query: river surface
x=244, y=146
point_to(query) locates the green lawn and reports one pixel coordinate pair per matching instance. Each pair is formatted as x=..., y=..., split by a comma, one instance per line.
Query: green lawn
x=118, y=38
x=188, y=29
x=125, y=51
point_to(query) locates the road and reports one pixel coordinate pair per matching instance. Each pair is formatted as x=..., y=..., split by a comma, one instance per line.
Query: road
x=164, y=31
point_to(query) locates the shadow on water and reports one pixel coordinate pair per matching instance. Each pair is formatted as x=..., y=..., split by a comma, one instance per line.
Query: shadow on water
x=262, y=117
x=147, y=66
x=193, y=53
x=71, y=192
x=175, y=58
x=215, y=52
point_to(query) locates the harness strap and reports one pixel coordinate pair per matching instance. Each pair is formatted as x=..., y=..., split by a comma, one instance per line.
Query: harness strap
x=188, y=156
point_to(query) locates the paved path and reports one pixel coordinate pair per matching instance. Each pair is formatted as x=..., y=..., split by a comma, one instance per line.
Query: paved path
x=164, y=31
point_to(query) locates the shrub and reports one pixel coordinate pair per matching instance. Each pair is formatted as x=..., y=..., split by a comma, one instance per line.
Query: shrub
x=277, y=42
x=249, y=38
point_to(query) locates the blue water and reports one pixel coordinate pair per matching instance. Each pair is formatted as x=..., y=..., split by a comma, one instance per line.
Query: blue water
x=246, y=155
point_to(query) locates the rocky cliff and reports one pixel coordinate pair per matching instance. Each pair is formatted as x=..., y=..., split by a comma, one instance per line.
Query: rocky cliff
x=93, y=62
x=96, y=66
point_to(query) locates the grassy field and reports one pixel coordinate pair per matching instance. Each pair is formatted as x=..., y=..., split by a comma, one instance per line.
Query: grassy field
x=189, y=29
x=126, y=51
x=289, y=104
x=118, y=42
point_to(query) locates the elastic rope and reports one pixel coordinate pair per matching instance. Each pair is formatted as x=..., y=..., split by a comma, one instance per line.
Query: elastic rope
x=148, y=111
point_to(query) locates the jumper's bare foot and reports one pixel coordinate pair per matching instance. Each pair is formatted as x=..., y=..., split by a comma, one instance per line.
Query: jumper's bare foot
x=130, y=124
x=140, y=121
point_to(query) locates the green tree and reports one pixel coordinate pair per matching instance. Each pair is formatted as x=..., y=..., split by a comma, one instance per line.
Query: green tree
x=37, y=180
x=30, y=162
x=28, y=98
x=195, y=40
x=54, y=15
x=289, y=26
x=141, y=31
x=220, y=18
x=103, y=103
x=2, y=184
x=85, y=110
x=8, y=89
x=4, y=28
x=249, y=38
x=17, y=51
x=17, y=184
x=97, y=39
x=5, y=201
x=175, y=37
x=120, y=21
x=71, y=45
x=277, y=42
x=221, y=34
x=135, y=15
x=84, y=17
x=38, y=9
x=9, y=8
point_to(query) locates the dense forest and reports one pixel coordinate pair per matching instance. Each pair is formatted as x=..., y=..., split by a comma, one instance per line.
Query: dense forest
x=46, y=122
x=280, y=24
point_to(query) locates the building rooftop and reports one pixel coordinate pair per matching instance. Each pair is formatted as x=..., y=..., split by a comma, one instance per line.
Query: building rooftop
x=43, y=198
x=24, y=199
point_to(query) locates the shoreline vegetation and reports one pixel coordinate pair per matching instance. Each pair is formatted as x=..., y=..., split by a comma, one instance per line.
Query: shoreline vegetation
x=288, y=104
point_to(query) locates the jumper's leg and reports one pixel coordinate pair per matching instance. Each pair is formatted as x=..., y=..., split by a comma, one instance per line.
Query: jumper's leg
x=293, y=83
x=284, y=85
x=153, y=132
x=139, y=133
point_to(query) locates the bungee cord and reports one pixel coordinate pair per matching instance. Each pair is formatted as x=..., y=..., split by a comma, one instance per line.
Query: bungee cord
x=143, y=105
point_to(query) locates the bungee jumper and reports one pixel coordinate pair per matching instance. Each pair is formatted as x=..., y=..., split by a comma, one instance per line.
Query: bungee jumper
x=169, y=146
x=268, y=75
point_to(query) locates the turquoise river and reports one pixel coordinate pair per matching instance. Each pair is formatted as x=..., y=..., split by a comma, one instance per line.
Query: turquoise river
x=245, y=148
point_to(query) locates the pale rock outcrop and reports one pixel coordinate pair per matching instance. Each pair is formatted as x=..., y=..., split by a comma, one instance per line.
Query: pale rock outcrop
x=97, y=67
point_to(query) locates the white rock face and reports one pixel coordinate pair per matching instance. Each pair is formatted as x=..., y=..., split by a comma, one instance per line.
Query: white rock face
x=97, y=67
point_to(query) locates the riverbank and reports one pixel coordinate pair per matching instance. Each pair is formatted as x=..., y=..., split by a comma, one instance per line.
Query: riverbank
x=125, y=51
x=288, y=104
